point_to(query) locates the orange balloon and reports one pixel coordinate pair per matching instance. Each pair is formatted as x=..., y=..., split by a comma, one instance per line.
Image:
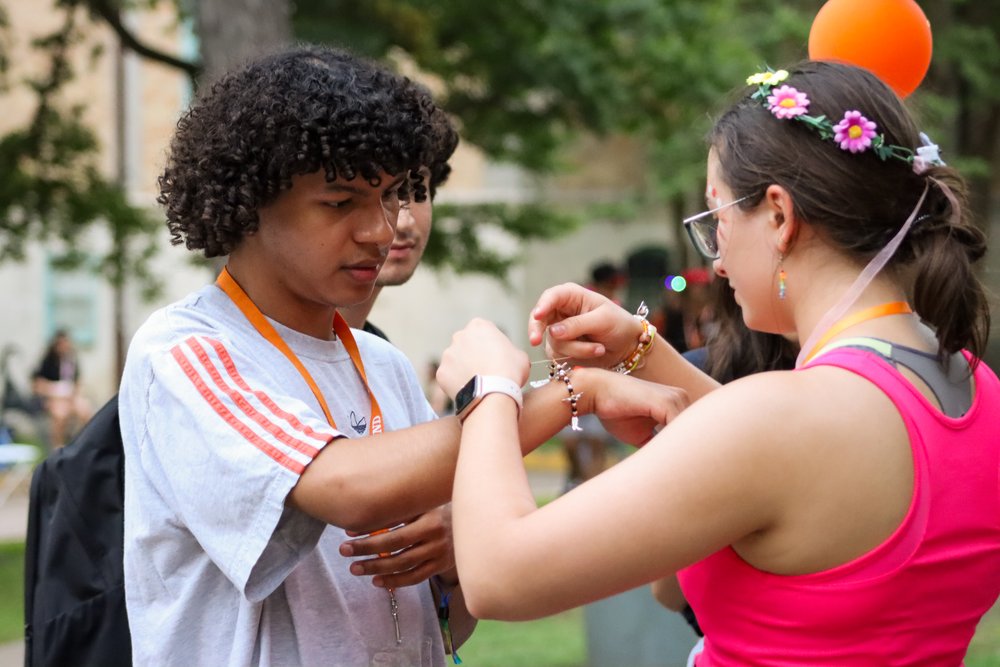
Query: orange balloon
x=891, y=38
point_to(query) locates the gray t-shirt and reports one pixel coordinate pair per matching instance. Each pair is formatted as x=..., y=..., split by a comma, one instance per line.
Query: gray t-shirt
x=218, y=426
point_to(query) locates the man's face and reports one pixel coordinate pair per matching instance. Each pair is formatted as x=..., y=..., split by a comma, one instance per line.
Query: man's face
x=322, y=244
x=412, y=231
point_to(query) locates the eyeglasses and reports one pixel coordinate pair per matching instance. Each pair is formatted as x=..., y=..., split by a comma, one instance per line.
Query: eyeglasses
x=703, y=229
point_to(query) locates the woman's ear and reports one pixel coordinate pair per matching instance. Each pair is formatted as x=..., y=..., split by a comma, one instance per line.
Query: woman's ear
x=782, y=218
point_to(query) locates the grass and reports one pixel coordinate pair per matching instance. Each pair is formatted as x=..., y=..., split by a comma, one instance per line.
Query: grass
x=985, y=649
x=560, y=641
x=11, y=591
x=556, y=641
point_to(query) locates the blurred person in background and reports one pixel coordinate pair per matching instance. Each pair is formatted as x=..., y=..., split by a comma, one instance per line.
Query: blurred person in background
x=56, y=383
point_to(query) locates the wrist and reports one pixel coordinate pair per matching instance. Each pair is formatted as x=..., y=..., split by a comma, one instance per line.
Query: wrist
x=500, y=407
x=479, y=387
x=645, y=337
x=586, y=381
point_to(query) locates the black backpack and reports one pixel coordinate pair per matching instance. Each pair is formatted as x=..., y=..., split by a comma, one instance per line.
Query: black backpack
x=74, y=586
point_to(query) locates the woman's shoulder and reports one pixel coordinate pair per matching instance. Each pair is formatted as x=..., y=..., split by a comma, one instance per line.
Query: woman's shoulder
x=777, y=410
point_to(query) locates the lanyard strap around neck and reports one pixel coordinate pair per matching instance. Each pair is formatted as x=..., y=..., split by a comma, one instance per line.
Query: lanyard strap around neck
x=246, y=305
x=881, y=310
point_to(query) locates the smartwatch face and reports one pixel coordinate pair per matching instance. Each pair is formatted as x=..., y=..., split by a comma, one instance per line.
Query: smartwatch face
x=466, y=394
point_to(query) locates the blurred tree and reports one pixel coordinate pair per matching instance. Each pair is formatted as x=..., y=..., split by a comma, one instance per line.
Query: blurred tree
x=52, y=186
x=527, y=77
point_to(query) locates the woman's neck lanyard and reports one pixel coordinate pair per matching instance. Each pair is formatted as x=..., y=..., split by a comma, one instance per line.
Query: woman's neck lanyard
x=881, y=310
x=226, y=283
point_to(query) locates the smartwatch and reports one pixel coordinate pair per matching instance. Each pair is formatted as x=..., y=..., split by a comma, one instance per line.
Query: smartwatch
x=469, y=396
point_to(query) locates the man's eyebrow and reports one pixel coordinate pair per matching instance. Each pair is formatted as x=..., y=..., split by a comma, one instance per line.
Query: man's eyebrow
x=341, y=186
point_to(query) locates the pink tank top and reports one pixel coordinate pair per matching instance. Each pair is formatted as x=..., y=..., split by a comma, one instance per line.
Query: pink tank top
x=913, y=600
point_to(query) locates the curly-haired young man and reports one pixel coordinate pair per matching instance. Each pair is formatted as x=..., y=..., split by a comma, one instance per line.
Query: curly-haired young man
x=255, y=435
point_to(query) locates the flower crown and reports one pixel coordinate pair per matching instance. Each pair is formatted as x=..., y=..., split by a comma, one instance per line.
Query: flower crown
x=853, y=133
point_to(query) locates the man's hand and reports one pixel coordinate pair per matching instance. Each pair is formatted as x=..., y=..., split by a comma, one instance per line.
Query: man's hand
x=419, y=549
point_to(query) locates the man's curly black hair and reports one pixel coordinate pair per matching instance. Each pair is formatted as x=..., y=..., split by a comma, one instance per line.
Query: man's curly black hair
x=292, y=113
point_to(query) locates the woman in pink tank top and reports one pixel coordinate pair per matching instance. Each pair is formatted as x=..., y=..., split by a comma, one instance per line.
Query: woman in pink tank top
x=846, y=512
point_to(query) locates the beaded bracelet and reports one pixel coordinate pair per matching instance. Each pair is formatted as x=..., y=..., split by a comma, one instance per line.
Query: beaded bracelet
x=561, y=372
x=645, y=344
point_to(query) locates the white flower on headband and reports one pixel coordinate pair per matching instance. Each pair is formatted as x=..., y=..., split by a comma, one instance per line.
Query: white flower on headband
x=928, y=155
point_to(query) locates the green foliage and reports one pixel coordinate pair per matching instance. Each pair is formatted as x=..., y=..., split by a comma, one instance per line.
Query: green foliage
x=526, y=79
x=467, y=238
x=52, y=188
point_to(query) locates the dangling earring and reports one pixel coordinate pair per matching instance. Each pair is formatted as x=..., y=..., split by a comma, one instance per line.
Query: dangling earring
x=782, y=287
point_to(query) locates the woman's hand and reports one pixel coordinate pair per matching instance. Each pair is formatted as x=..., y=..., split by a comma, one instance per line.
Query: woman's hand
x=631, y=409
x=582, y=325
x=480, y=349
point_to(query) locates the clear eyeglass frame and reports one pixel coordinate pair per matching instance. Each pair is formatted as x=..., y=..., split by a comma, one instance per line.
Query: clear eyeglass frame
x=703, y=228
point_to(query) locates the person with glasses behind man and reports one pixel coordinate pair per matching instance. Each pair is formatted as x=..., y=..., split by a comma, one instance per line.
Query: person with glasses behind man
x=841, y=513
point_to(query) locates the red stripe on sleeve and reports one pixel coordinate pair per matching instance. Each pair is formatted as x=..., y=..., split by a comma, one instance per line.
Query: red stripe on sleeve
x=230, y=418
x=230, y=366
x=249, y=410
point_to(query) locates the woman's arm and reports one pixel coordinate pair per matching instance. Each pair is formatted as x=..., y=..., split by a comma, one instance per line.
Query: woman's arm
x=518, y=562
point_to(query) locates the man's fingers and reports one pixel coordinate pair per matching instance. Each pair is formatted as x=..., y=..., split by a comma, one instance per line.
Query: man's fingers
x=405, y=568
x=400, y=579
x=397, y=562
x=426, y=527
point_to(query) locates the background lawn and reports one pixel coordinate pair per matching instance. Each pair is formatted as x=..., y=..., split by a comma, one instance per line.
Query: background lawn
x=557, y=641
x=12, y=591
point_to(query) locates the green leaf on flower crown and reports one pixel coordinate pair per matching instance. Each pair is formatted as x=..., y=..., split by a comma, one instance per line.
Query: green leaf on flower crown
x=820, y=124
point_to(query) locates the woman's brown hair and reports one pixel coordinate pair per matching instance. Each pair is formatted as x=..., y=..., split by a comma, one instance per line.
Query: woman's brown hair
x=860, y=201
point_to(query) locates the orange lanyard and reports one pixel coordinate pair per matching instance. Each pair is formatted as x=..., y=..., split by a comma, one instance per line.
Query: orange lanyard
x=340, y=327
x=881, y=310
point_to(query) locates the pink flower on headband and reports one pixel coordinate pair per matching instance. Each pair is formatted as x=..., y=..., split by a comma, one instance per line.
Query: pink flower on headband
x=787, y=102
x=854, y=133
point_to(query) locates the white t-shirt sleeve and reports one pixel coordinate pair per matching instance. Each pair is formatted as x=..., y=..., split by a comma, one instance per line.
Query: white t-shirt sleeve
x=226, y=443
